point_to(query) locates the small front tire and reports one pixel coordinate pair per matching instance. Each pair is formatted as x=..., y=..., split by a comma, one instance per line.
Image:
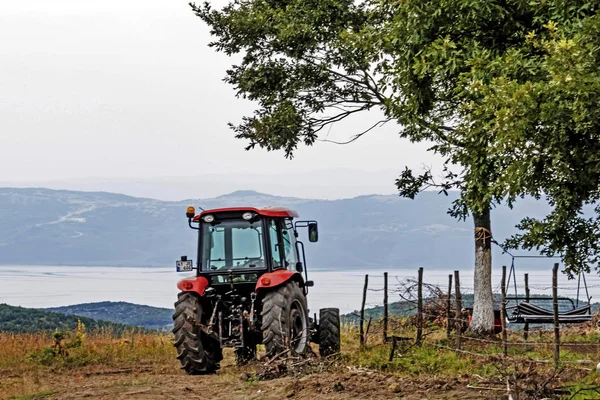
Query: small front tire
x=329, y=331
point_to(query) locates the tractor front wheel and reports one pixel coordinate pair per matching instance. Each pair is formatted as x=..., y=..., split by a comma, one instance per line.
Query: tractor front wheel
x=329, y=331
x=198, y=353
x=285, y=320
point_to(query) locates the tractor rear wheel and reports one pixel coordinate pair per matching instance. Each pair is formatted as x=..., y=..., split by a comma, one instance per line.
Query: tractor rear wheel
x=329, y=331
x=285, y=320
x=198, y=353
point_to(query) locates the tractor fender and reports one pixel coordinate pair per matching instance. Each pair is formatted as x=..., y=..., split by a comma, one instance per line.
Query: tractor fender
x=197, y=284
x=277, y=278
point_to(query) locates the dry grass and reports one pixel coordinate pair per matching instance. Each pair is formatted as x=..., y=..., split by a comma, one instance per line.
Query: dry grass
x=29, y=363
x=15, y=347
x=23, y=351
x=30, y=367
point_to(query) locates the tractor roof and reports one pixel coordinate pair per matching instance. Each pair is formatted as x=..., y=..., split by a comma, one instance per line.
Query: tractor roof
x=280, y=212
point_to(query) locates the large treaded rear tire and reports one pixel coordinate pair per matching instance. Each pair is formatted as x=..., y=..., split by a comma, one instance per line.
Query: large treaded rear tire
x=197, y=353
x=285, y=320
x=329, y=331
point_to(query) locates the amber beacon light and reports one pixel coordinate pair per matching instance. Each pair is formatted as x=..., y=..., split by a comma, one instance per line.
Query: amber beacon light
x=190, y=212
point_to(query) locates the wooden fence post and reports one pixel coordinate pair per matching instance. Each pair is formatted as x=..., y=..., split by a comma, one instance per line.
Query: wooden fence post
x=503, y=313
x=393, y=349
x=385, y=307
x=367, y=331
x=449, y=307
x=458, y=305
x=526, y=327
x=362, y=311
x=420, y=308
x=555, y=308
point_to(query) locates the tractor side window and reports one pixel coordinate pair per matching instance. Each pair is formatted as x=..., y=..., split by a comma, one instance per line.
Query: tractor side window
x=289, y=245
x=275, y=244
x=215, y=246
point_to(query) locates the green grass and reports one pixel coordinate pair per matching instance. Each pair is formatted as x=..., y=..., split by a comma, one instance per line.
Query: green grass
x=34, y=396
x=433, y=359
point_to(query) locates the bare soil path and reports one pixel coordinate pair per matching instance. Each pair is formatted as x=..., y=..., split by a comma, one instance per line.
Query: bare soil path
x=165, y=382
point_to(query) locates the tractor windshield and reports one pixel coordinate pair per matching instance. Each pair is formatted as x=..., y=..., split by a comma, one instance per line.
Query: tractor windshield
x=234, y=244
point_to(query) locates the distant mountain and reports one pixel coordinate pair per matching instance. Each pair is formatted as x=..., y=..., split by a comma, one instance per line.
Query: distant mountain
x=28, y=320
x=57, y=227
x=122, y=313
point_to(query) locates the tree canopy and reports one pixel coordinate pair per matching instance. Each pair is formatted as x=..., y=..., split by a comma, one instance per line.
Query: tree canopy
x=548, y=125
x=506, y=91
x=28, y=320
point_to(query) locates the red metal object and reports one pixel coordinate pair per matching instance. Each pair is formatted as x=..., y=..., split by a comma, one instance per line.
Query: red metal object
x=281, y=212
x=275, y=278
x=198, y=284
x=497, y=319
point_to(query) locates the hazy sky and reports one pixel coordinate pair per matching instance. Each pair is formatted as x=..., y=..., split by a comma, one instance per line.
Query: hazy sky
x=130, y=90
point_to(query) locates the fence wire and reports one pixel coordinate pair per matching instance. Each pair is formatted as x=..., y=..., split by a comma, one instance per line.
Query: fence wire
x=405, y=288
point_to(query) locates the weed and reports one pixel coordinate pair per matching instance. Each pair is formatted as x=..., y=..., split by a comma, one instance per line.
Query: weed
x=34, y=396
x=133, y=382
x=78, y=339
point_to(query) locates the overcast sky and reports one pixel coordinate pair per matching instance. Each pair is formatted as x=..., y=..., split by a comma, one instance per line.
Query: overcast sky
x=92, y=92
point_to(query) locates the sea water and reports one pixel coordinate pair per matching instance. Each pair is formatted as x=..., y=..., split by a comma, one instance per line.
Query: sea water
x=51, y=286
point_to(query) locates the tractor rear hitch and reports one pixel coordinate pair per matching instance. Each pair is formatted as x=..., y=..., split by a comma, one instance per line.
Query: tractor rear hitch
x=242, y=345
x=211, y=321
x=221, y=329
x=205, y=329
x=251, y=316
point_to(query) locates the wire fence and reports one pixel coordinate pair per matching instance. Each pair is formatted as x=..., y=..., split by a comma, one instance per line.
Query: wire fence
x=430, y=304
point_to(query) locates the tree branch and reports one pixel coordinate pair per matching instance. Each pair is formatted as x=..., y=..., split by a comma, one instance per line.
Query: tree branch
x=359, y=135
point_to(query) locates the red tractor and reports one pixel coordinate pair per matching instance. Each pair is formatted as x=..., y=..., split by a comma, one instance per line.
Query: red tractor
x=250, y=287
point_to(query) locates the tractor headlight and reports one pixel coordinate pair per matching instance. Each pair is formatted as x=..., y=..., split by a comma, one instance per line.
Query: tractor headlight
x=208, y=218
x=248, y=216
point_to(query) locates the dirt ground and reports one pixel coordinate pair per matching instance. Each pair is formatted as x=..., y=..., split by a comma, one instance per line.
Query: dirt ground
x=232, y=383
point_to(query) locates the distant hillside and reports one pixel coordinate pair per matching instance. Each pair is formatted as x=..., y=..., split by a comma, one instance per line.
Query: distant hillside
x=28, y=320
x=122, y=313
x=96, y=228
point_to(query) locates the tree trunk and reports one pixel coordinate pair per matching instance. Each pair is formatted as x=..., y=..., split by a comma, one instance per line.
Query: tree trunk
x=483, y=306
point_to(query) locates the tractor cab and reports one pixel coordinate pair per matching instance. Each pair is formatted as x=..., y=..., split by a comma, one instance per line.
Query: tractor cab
x=240, y=245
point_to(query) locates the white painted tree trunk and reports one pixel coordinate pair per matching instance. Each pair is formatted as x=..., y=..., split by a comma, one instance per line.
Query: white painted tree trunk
x=482, y=322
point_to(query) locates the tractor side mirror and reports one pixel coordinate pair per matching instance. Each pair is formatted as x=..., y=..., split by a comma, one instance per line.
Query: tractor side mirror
x=313, y=232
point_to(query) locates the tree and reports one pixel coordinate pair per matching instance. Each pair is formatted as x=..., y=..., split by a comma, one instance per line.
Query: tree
x=548, y=125
x=429, y=66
